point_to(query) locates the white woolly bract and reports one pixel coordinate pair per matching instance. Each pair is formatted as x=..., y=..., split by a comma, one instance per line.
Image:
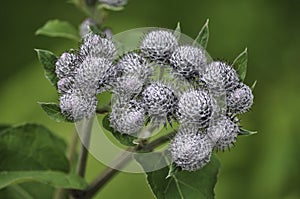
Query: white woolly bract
x=96, y=46
x=219, y=77
x=160, y=101
x=223, y=132
x=66, y=64
x=159, y=45
x=240, y=99
x=195, y=108
x=66, y=85
x=134, y=64
x=77, y=106
x=188, y=61
x=190, y=149
x=94, y=74
x=128, y=86
x=127, y=117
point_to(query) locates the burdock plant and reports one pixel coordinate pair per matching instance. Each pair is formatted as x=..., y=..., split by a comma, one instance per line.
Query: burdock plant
x=169, y=100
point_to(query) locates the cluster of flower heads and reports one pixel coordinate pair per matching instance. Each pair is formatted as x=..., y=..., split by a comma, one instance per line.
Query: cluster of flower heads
x=162, y=81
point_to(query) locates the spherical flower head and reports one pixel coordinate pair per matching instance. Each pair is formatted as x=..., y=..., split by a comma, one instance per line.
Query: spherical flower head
x=128, y=86
x=85, y=26
x=94, y=74
x=66, y=85
x=66, y=64
x=133, y=63
x=159, y=45
x=127, y=118
x=220, y=77
x=160, y=101
x=96, y=46
x=115, y=3
x=240, y=99
x=76, y=106
x=223, y=132
x=195, y=108
x=188, y=61
x=190, y=149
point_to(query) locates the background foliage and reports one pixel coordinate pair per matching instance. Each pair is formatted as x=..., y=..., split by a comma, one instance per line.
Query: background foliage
x=262, y=166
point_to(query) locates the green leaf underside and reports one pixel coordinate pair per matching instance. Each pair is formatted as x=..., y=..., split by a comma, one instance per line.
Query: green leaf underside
x=53, y=178
x=57, y=28
x=183, y=184
x=54, y=112
x=203, y=35
x=246, y=132
x=122, y=138
x=48, y=59
x=31, y=147
x=240, y=64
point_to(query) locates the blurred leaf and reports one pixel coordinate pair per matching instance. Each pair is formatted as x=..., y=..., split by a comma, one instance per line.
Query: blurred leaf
x=28, y=190
x=48, y=59
x=177, y=31
x=4, y=127
x=31, y=147
x=203, y=35
x=53, y=178
x=240, y=64
x=246, y=132
x=253, y=85
x=122, y=138
x=182, y=184
x=54, y=112
x=57, y=28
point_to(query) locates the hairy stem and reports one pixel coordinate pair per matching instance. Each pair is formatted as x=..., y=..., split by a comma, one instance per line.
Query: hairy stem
x=120, y=162
x=86, y=134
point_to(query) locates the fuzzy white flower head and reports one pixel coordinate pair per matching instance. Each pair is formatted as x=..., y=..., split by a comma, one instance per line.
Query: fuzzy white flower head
x=159, y=45
x=240, y=99
x=195, y=108
x=127, y=117
x=188, y=61
x=77, y=106
x=93, y=76
x=116, y=3
x=96, y=46
x=190, y=149
x=66, y=64
x=219, y=77
x=128, y=86
x=223, y=132
x=66, y=85
x=160, y=101
x=133, y=63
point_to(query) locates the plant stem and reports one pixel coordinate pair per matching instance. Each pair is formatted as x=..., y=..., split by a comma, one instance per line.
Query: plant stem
x=120, y=162
x=87, y=127
x=104, y=109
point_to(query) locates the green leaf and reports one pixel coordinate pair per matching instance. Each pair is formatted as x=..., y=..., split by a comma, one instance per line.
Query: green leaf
x=54, y=112
x=240, y=64
x=253, y=85
x=4, y=127
x=31, y=147
x=177, y=31
x=57, y=28
x=110, y=8
x=122, y=138
x=183, y=184
x=56, y=179
x=246, y=132
x=203, y=35
x=48, y=59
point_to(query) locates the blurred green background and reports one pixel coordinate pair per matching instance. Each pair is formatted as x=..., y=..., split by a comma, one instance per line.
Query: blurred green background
x=263, y=166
